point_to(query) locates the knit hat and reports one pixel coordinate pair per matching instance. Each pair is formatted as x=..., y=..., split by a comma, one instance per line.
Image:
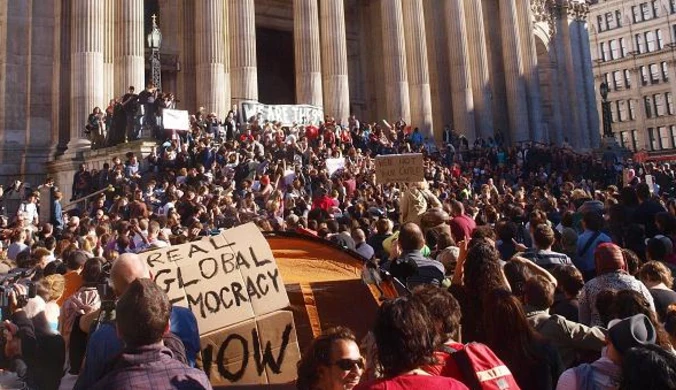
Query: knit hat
x=631, y=332
x=608, y=258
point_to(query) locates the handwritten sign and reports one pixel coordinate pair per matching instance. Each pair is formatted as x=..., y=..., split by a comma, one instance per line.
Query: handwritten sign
x=264, y=351
x=224, y=279
x=176, y=119
x=286, y=114
x=400, y=168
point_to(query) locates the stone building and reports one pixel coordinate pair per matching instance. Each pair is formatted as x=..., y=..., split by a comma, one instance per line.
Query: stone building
x=633, y=51
x=516, y=66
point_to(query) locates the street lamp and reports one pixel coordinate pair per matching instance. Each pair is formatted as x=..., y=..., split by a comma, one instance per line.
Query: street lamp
x=607, y=115
x=154, y=43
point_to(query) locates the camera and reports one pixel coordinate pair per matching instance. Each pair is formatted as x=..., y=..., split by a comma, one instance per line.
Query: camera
x=8, y=285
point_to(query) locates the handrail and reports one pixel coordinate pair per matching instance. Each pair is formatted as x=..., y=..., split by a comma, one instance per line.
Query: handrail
x=84, y=198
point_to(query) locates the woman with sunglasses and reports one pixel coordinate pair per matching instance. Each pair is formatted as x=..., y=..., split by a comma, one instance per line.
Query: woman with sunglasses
x=331, y=362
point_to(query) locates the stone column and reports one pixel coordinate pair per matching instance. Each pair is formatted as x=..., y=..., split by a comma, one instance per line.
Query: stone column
x=129, y=44
x=334, y=59
x=478, y=55
x=86, y=67
x=437, y=58
x=212, y=72
x=307, y=50
x=582, y=105
x=461, y=76
x=109, y=91
x=576, y=124
x=588, y=76
x=418, y=68
x=394, y=61
x=243, y=68
x=514, y=72
x=530, y=67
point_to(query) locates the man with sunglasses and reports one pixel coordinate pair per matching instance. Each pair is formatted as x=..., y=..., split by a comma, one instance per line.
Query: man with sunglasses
x=331, y=362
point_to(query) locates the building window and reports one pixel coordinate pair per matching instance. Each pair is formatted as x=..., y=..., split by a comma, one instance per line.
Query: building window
x=614, y=50
x=627, y=79
x=636, y=12
x=673, y=33
x=672, y=130
x=645, y=11
x=610, y=21
x=654, y=139
x=654, y=74
x=644, y=75
x=647, y=103
x=617, y=79
x=618, y=18
x=624, y=47
x=639, y=43
x=599, y=22
x=613, y=112
x=665, y=71
x=664, y=135
x=659, y=105
x=650, y=43
x=632, y=109
x=660, y=40
x=670, y=103
x=622, y=110
x=656, y=9
x=673, y=6
x=634, y=140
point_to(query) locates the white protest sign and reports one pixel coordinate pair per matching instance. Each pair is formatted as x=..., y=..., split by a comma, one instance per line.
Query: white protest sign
x=400, y=168
x=334, y=164
x=224, y=279
x=175, y=119
x=286, y=114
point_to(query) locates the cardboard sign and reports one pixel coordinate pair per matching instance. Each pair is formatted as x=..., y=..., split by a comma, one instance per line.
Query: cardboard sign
x=262, y=351
x=176, y=119
x=334, y=164
x=224, y=279
x=400, y=168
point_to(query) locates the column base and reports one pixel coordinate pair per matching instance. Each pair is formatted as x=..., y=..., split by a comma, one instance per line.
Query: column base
x=78, y=145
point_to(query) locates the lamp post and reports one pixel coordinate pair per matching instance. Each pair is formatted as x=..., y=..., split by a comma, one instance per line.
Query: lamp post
x=607, y=115
x=154, y=43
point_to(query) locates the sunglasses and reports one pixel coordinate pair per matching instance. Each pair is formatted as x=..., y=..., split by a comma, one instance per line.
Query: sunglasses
x=348, y=364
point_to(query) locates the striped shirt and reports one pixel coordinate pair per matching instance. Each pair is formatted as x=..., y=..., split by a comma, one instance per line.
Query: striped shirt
x=546, y=259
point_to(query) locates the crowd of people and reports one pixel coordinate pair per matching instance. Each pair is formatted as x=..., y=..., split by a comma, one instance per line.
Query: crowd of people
x=522, y=266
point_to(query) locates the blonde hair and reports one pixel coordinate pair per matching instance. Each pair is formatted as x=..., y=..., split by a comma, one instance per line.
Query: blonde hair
x=52, y=287
x=655, y=271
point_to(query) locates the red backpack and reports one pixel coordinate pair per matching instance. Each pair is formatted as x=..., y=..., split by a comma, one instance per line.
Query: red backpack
x=481, y=369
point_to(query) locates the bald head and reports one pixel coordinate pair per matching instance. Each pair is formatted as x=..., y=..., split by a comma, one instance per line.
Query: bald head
x=126, y=269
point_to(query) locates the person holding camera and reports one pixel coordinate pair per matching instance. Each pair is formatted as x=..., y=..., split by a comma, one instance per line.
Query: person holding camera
x=104, y=341
x=26, y=347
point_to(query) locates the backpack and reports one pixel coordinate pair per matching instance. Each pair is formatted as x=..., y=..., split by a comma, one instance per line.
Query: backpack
x=481, y=369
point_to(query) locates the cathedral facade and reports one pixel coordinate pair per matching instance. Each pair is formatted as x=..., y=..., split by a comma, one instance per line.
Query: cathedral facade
x=518, y=67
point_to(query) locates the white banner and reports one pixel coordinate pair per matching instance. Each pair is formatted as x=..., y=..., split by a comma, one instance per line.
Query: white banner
x=335, y=164
x=286, y=114
x=175, y=119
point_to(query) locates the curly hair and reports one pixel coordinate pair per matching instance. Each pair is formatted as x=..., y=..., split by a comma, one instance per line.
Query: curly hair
x=629, y=302
x=656, y=272
x=318, y=354
x=443, y=308
x=404, y=336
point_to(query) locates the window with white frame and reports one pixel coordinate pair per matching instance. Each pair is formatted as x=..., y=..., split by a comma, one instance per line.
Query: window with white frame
x=618, y=18
x=622, y=110
x=669, y=98
x=665, y=71
x=660, y=40
x=632, y=109
x=648, y=106
x=610, y=21
x=654, y=139
x=672, y=130
x=656, y=8
x=640, y=47
x=650, y=42
x=644, y=75
x=627, y=78
x=624, y=47
x=613, y=112
x=600, y=24
x=658, y=104
x=654, y=74
x=602, y=52
x=634, y=140
x=645, y=11
x=614, y=49
x=624, y=139
x=672, y=6
x=617, y=80
x=635, y=11
x=664, y=135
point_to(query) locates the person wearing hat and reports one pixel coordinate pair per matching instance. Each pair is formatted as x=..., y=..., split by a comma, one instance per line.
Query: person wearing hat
x=612, y=275
x=606, y=372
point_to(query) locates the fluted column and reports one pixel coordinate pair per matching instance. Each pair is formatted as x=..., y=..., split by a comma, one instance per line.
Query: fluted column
x=394, y=61
x=461, y=76
x=576, y=124
x=307, y=51
x=478, y=54
x=418, y=67
x=588, y=76
x=514, y=72
x=243, y=68
x=86, y=67
x=530, y=67
x=109, y=91
x=582, y=105
x=437, y=57
x=214, y=92
x=129, y=44
x=334, y=59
